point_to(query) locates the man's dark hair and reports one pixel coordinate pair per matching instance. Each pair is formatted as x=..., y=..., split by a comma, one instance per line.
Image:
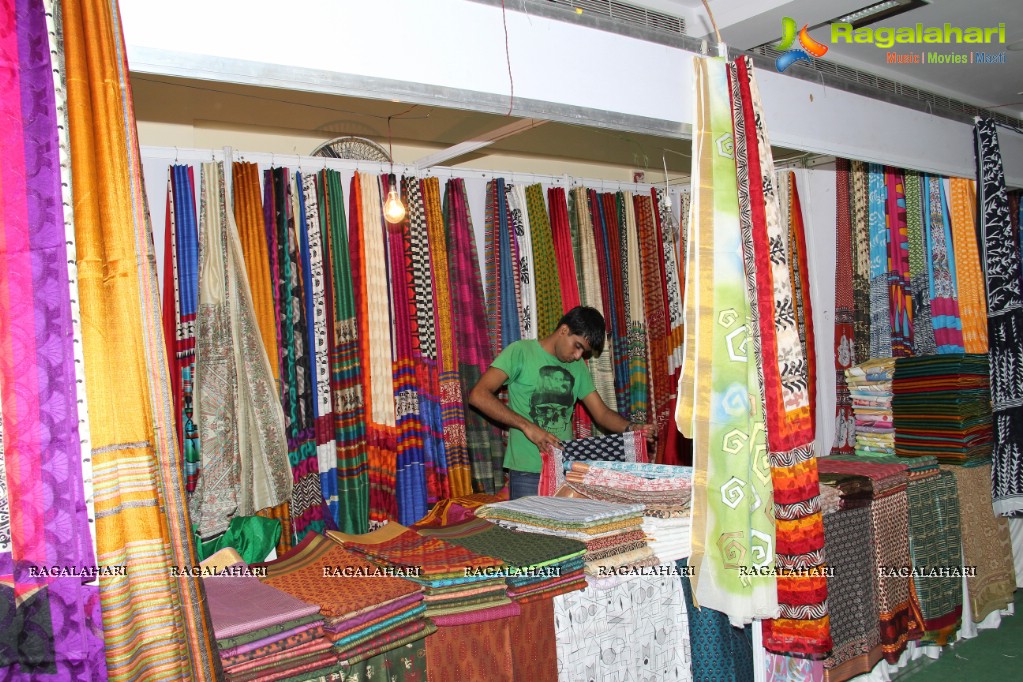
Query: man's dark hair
x=588, y=323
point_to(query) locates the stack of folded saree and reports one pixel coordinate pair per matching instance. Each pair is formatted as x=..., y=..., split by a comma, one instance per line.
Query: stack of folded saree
x=942, y=408
x=263, y=633
x=365, y=611
x=889, y=520
x=612, y=533
x=870, y=388
x=538, y=566
x=460, y=586
x=665, y=491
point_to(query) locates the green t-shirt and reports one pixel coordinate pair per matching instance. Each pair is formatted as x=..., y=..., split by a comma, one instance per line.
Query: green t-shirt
x=544, y=390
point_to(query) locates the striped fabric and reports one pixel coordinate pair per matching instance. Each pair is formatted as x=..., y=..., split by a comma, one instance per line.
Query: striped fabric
x=482, y=439
x=948, y=328
x=923, y=330
x=155, y=625
x=501, y=282
x=371, y=285
x=845, y=421
x=900, y=299
x=316, y=283
x=548, y=282
x=605, y=234
x=449, y=385
x=972, y=299
x=345, y=367
x=424, y=343
x=180, y=304
x=410, y=470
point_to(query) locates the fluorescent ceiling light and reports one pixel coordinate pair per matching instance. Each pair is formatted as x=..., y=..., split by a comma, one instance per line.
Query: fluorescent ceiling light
x=878, y=11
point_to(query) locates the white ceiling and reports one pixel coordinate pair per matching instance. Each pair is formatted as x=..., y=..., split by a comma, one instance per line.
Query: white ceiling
x=747, y=23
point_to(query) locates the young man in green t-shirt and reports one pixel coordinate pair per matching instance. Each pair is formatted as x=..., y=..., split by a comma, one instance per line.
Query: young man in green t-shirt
x=545, y=378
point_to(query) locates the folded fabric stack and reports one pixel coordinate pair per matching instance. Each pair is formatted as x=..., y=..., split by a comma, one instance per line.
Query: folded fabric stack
x=664, y=490
x=538, y=566
x=365, y=611
x=461, y=586
x=264, y=633
x=622, y=448
x=942, y=407
x=870, y=387
x=889, y=521
x=612, y=533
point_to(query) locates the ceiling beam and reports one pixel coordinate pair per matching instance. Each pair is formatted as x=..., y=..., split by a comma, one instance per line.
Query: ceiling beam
x=478, y=142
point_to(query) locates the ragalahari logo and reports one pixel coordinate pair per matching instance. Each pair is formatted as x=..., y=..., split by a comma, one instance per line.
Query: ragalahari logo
x=807, y=45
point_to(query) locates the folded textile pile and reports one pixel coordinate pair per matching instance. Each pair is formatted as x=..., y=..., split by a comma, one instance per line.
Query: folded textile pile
x=665, y=491
x=870, y=387
x=622, y=448
x=264, y=633
x=889, y=519
x=461, y=586
x=365, y=610
x=612, y=533
x=538, y=566
x=942, y=407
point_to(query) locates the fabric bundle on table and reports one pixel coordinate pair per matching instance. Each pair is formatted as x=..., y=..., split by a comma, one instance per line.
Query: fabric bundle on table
x=538, y=566
x=365, y=612
x=622, y=447
x=889, y=518
x=612, y=533
x=460, y=586
x=264, y=633
x=870, y=387
x=666, y=521
x=942, y=407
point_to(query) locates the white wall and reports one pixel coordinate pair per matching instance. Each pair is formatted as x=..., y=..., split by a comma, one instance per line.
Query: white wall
x=452, y=53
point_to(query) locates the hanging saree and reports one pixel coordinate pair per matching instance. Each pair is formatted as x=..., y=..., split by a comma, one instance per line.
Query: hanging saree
x=156, y=626
x=306, y=507
x=180, y=303
x=781, y=368
x=1005, y=322
x=900, y=301
x=969, y=277
x=51, y=624
x=315, y=283
x=880, y=315
x=371, y=284
x=345, y=366
x=450, y=386
x=501, y=283
x=800, y=274
x=719, y=406
x=948, y=328
x=605, y=235
x=673, y=264
x=639, y=390
x=548, y=283
x=520, y=219
x=410, y=474
x=248, y=215
x=482, y=439
x=845, y=421
x=245, y=466
x=859, y=189
x=656, y=320
x=424, y=341
x=923, y=329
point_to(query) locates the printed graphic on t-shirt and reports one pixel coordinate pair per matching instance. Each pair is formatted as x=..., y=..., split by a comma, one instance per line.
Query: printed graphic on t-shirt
x=550, y=406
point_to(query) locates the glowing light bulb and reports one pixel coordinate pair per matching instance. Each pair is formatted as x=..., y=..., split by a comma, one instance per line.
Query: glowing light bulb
x=394, y=210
